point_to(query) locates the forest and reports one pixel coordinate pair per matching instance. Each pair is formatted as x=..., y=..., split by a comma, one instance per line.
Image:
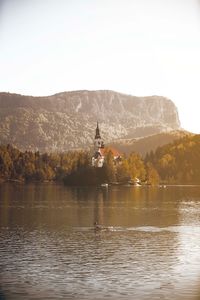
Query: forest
x=178, y=162
x=174, y=163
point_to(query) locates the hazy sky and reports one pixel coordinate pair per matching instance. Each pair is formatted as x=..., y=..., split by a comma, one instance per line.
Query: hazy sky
x=137, y=47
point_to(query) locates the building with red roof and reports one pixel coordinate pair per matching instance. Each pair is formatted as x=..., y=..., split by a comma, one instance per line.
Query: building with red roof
x=100, y=151
x=114, y=152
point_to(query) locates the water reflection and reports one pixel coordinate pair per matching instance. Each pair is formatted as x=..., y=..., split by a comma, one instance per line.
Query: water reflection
x=149, y=247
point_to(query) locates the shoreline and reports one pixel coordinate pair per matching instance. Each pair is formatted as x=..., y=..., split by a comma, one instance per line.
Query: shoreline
x=23, y=182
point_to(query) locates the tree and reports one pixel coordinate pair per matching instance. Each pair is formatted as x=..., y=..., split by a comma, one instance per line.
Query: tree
x=136, y=166
x=109, y=168
x=152, y=176
x=122, y=171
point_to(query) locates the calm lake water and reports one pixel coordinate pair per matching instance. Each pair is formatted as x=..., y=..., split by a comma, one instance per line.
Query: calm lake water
x=149, y=247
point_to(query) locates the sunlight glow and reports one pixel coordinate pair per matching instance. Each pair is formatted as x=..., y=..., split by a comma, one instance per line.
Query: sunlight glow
x=138, y=47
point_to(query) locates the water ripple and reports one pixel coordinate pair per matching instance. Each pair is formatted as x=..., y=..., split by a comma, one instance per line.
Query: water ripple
x=150, y=249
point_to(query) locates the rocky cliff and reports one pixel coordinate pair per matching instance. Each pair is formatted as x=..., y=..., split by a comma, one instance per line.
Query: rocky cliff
x=67, y=120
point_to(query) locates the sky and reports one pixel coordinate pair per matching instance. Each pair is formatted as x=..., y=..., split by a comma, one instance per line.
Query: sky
x=136, y=47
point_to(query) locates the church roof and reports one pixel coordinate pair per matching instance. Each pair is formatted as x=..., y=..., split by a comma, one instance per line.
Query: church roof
x=97, y=135
x=114, y=151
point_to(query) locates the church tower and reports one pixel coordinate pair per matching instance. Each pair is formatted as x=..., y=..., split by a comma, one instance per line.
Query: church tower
x=98, y=142
x=98, y=157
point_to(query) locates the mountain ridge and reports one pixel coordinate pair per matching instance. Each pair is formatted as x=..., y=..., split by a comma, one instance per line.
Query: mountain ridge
x=67, y=120
x=149, y=143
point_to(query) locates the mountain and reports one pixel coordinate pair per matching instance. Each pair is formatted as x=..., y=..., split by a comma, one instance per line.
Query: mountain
x=149, y=143
x=67, y=120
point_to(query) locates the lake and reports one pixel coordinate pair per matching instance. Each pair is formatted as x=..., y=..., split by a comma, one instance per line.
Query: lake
x=148, y=248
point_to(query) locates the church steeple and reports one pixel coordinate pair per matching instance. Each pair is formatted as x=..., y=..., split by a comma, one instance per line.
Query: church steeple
x=98, y=157
x=97, y=135
x=98, y=142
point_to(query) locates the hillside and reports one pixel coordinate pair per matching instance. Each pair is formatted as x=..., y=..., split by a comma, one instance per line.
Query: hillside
x=67, y=120
x=149, y=143
x=178, y=162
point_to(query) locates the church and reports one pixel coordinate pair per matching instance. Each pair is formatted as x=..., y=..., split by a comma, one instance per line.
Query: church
x=100, y=151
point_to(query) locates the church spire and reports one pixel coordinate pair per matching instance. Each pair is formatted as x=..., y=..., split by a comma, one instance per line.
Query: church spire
x=98, y=157
x=97, y=135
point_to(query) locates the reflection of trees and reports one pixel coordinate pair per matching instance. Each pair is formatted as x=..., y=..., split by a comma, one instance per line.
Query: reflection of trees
x=140, y=206
x=55, y=205
x=127, y=206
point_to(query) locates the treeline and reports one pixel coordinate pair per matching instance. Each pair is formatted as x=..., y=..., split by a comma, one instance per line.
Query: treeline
x=125, y=170
x=34, y=166
x=178, y=162
x=73, y=167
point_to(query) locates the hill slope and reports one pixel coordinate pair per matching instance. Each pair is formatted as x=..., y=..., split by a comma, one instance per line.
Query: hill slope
x=178, y=162
x=67, y=120
x=149, y=143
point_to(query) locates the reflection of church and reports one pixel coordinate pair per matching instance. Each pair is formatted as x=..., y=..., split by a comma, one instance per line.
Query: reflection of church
x=100, y=151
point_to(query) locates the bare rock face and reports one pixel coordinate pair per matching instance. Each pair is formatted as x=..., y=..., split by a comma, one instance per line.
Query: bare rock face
x=68, y=120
